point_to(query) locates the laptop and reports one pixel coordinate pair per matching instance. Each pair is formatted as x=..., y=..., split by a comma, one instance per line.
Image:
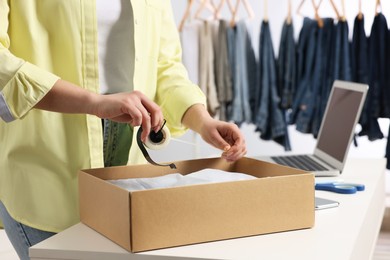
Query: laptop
x=337, y=129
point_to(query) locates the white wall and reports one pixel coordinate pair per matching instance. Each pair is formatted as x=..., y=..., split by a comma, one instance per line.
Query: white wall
x=191, y=146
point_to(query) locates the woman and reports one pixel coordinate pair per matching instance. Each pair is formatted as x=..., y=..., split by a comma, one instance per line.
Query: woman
x=65, y=66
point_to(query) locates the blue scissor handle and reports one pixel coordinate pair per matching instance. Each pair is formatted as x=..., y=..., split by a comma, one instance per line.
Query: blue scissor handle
x=344, y=188
x=359, y=187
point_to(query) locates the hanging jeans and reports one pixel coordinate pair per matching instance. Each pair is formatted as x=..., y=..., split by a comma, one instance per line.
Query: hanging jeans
x=269, y=119
x=305, y=64
x=359, y=50
x=241, y=111
x=329, y=31
x=342, y=64
x=377, y=74
x=311, y=96
x=316, y=78
x=287, y=66
x=359, y=60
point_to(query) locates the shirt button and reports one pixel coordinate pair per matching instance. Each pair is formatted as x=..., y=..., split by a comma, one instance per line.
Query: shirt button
x=136, y=21
x=137, y=58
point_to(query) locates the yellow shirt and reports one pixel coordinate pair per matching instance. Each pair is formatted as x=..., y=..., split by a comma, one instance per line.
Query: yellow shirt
x=41, y=152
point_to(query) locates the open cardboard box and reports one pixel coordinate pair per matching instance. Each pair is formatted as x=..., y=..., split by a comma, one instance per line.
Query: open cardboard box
x=281, y=199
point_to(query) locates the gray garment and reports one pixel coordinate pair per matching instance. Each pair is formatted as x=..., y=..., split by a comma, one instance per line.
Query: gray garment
x=231, y=44
x=223, y=72
x=241, y=111
x=206, y=67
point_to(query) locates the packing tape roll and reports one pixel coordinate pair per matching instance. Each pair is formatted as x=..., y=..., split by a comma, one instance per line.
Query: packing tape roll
x=163, y=142
x=159, y=140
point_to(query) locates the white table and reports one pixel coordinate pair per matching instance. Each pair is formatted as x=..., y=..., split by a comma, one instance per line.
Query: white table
x=347, y=232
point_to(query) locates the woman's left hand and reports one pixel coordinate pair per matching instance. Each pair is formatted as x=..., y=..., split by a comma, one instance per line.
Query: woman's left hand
x=224, y=136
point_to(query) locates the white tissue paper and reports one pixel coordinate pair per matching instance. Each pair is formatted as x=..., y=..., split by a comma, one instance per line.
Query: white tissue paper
x=177, y=179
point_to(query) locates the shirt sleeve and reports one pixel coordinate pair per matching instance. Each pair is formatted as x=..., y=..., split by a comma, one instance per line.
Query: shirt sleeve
x=175, y=92
x=22, y=84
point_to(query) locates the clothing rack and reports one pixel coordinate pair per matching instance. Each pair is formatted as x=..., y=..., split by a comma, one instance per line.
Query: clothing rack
x=317, y=7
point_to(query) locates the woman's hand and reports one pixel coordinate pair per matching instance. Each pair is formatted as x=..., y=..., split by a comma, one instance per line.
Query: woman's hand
x=222, y=135
x=226, y=137
x=133, y=108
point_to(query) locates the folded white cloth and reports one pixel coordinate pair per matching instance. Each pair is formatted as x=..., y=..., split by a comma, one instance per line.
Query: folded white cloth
x=177, y=179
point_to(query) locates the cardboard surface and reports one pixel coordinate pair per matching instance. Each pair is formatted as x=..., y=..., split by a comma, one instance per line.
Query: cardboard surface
x=280, y=199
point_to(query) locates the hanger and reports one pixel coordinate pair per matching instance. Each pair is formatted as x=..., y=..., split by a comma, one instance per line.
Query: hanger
x=289, y=16
x=360, y=14
x=265, y=11
x=187, y=12
x=219, y=7
x=316, y=15
x=335, y=10
x=248, y=9
x=186, y=15
x=299, y=8
x=301, y=5
x=343, y=17
x=339, y=17
x=378, y=7
x=205, y=3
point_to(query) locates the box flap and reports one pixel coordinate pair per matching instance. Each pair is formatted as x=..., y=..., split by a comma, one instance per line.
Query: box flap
x=260, y=168
x=245, y=165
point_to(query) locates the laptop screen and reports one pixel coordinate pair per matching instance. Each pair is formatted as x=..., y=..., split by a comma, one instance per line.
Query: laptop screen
x=339, y=122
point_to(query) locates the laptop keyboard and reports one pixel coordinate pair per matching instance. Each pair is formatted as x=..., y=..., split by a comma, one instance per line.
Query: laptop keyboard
x=303, y=162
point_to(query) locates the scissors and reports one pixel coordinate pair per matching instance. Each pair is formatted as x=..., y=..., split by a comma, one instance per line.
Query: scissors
x=340, y=187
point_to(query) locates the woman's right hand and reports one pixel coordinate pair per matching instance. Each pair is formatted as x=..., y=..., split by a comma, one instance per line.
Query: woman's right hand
x=133, y=108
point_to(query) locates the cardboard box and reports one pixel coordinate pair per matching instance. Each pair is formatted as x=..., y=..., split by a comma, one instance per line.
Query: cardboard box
x=280, y=199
